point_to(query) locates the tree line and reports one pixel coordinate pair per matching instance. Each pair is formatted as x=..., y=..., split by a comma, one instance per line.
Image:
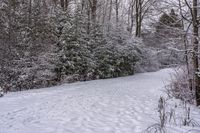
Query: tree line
x=47, y=42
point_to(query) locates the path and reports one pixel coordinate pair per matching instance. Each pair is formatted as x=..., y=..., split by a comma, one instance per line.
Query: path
x=121, y=105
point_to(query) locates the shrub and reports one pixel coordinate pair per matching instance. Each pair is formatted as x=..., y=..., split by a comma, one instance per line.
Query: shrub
x=180, y=86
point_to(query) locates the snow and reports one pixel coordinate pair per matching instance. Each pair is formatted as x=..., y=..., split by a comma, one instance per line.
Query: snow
x=121, y=105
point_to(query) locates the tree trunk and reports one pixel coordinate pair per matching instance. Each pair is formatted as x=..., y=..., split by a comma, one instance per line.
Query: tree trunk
x=140, y=18
x=62, y=4
x=138, y=5
x=136, y=16
x=88, y=21
x=195, y=53
x=117, y=12
x=110, y=15
x=82, y=6
x=185, y=41
x=104, y=15
x=132, y=16
x=66, y=4
x=93, y=6
x=30, y=12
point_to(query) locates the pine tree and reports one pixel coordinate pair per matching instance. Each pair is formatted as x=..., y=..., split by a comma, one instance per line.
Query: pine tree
x=75, y=56
x=169, y=24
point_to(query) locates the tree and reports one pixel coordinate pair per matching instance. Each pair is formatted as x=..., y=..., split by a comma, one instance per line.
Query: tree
x=195, y=23
x=93, y=7
x=117, y=2
x=64, y=4
x=138, y=16
x=189, y=17
x=141, y=9
x=28, y=45
x=169, y=24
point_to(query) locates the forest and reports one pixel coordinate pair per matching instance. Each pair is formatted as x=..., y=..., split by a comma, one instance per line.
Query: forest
x=48, y=43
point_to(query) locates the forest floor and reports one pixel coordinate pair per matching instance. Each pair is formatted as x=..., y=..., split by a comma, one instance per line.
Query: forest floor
x=120, y=105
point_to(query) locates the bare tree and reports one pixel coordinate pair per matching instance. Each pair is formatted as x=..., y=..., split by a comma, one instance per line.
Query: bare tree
x=185, y=41
x=190, y=17
x=110, y=14
x=64, y=4
x=93, y=7
x=117, y=2
x=196, y=49
x=141, y=9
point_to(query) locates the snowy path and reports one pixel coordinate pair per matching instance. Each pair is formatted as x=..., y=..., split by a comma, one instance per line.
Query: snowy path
x=121, y=105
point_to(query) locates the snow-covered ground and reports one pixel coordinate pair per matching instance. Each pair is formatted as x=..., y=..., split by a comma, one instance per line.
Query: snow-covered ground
x=121, y=105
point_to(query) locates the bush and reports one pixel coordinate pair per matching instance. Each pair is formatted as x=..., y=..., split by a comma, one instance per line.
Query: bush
x=96, y=55
x=115, y=62
x=180, y=87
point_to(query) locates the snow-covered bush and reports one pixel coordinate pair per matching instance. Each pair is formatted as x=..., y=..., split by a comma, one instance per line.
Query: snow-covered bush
x=44, y=45
x=112, y=62
x=164, y=117
x=76, y=62
x=117, y=57
x=181, y=86
x=173, y=113
x=95, y=55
